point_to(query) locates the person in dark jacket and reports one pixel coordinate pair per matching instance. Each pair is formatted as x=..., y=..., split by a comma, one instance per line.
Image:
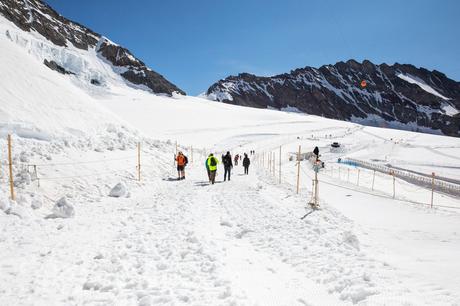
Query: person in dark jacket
x=228, y=165
x=316, y=152
x=246, y=163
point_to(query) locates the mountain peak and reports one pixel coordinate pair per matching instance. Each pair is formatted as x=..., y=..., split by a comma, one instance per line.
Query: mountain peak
x=37, y=16
x=400, y=95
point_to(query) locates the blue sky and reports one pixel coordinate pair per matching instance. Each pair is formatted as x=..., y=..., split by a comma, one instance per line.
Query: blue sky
x=195, y=43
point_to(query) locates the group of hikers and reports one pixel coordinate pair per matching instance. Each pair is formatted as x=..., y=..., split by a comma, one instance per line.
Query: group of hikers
x=212, y=162
x=211, y=165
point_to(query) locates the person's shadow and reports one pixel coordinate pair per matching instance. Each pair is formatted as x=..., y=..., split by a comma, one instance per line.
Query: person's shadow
x=171, y=179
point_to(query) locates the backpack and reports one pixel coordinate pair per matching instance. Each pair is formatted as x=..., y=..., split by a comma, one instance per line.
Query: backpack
x=227, y=160
x=181, y=160
x=186, y=160
x=213, y=162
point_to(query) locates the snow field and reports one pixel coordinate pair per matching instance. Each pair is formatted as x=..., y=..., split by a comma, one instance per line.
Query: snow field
x=167, y=242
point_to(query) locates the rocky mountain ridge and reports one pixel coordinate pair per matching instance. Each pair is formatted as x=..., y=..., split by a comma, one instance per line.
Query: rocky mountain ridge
x=398, y=96
x=37, y=16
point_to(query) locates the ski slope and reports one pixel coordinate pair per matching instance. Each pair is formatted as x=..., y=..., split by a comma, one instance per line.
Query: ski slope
x=241, y=242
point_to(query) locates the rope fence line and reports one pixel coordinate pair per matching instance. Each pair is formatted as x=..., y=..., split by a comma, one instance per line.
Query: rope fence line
x=438, y=183
x=33, y=169
x=357, y=179
x=378, y=192
x=269, y=161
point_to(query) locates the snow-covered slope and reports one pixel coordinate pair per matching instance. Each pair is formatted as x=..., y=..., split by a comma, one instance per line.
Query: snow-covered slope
x=39, y=103
x=70, y=48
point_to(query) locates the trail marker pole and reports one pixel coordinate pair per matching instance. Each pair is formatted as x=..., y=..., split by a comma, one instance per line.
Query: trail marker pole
x=298, y=169
x=394, y=184
x=280, y=166
x=36, y=176
x=139, y=161
x=316, y=188
x=274, y=164
x=10, y=166
x=348, y=177
x=373, y=180
x=432, y=188
x=271, y=163
x=358, y=178
x=191, y=153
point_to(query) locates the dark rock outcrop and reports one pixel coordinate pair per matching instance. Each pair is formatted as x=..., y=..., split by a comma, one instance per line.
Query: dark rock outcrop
x=54, y=66
x=35, y=15
x=390, y=98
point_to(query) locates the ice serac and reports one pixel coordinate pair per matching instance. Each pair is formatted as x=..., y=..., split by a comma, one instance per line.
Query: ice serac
x=37, y=16
x=397, y=96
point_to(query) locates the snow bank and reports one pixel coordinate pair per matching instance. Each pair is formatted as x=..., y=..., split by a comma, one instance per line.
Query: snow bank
x=62, y=209
x=119, y=190
x=4, y=202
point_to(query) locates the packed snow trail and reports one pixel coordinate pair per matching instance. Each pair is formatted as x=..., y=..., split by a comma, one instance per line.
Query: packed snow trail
x=187, y=242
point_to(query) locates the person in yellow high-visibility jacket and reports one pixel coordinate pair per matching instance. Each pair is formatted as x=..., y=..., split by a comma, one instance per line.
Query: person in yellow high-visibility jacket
x=211, y=164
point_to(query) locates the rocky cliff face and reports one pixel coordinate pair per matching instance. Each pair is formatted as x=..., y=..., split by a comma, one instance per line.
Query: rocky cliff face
x=37, y=16
x=399, y=96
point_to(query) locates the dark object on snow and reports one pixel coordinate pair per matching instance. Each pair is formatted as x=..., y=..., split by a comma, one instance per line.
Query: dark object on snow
x=316, y=152
x=95, y=82
x=335, y=145
x=228, y=165
x=246, y=163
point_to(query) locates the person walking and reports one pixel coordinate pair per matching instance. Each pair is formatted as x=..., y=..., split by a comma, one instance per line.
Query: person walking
x=228, y=165
x=212, y=162
x=237, y=157
x=246, y=163
x=316, y=152
x=181, y=161
x=207, y=168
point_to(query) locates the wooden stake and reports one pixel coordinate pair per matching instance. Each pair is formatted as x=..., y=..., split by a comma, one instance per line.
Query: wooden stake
x=373, y=180
x=432, y=188
x=280, y=166
x=298, y=169
x=10, y=166
x=36, y=176
x=316, y=188
x=139, y=161
x=394, y=184
x=269, y=164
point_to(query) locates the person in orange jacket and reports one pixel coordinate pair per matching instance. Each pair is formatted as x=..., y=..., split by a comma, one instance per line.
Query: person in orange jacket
x=181, y=161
